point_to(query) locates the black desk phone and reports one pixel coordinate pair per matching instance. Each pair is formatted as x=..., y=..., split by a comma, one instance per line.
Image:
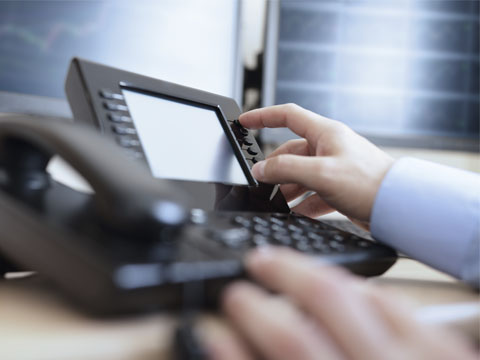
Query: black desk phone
x=174, y=199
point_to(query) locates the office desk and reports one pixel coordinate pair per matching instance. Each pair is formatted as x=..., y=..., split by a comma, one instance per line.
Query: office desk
x=35, y=324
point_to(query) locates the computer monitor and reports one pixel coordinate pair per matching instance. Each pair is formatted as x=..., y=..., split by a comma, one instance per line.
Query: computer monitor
x=402, y=73
x=190, y=42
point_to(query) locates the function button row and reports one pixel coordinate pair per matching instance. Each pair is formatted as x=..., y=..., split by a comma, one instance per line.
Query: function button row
x=108, y=94
x=119, y=118
x=244, y=141
x=123, y=130
x=114, y=107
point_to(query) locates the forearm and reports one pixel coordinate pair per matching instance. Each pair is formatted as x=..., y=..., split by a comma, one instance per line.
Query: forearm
x=431, y=212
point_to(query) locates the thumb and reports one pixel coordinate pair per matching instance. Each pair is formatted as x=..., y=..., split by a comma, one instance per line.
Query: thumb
x=288, y=168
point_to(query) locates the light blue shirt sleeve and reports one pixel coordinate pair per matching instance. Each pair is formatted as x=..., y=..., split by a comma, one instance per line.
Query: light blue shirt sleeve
x=432, y=213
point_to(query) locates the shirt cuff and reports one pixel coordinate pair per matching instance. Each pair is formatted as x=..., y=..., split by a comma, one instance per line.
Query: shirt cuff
x=429, y=212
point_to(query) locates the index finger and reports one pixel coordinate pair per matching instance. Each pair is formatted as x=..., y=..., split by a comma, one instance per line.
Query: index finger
x=302, y=122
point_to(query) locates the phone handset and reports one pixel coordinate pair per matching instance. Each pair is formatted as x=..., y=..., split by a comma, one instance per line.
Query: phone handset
x=127, y=198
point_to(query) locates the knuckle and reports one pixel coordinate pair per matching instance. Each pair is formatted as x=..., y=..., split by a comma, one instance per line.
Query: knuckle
x=292, y=109
x=336, y=125
x=292, y=144
x=339, y=127
x=292, y=106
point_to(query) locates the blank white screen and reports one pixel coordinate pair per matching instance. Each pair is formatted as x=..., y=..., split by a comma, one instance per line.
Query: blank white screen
x=183, y=142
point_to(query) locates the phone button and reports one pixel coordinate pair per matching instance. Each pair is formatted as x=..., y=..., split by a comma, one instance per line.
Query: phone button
x=128, y=142
x=114, y=106
x=247, y=142
x=251, y=161
x=119, y=118
x=123, y=130
x=243, y=131
x=108, y=94
x=198, y=216
x=251, y=151
x=134, y=155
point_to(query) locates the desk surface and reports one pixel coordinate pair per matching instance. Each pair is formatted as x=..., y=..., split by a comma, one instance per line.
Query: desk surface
x=37, y=325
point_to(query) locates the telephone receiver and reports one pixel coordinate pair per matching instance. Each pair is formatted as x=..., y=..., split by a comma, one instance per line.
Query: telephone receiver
x=127, y=200
x=124, y=248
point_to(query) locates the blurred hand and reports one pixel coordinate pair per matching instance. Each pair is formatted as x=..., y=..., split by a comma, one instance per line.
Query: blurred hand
x=343, y=168
x=324, y=313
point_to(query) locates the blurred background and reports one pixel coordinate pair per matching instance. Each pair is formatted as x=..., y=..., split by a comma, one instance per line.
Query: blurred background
x=404, y=73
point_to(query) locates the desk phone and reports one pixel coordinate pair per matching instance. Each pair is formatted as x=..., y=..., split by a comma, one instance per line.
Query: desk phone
x=174, y=202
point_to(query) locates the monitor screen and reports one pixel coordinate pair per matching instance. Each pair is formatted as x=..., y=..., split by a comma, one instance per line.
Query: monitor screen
x=400, y=72
x=189, y=42
x=183, y=141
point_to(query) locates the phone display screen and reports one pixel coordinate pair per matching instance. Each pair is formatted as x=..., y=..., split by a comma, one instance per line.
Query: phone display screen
x=183, y=141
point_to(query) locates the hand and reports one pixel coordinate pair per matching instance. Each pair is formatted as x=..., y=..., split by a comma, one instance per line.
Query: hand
x=325, y=313
x=343, y=168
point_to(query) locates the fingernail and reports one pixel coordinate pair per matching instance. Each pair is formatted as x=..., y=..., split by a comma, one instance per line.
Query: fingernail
x=258, y=170
x=259, y=257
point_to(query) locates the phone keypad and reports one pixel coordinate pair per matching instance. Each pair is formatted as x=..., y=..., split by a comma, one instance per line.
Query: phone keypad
x=244, y=231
